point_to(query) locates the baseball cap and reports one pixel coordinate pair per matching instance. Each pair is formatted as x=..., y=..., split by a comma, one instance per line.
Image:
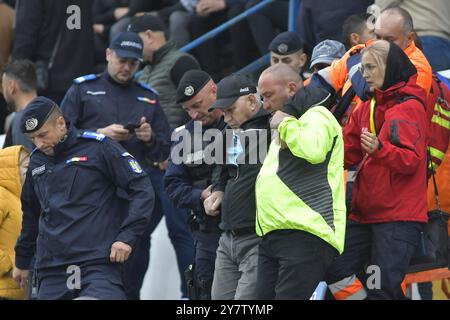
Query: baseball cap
x=127, y=45
x=230, y=88
x=326, y=52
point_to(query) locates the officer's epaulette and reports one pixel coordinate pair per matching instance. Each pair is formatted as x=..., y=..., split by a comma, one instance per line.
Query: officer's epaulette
x=147, y=87
x=92, y=135
x=85, y=78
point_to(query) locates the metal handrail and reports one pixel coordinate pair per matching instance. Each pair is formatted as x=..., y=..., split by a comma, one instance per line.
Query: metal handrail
x=294, y=6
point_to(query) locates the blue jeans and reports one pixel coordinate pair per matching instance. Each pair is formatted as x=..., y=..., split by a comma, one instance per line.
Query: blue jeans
x=179, y=233
x=437, y=51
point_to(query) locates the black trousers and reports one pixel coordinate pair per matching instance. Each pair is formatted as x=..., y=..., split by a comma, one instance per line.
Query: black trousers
x=97, y=281
x=388, y=246
x=268, y=22
x=291, y=264
x=205, y=257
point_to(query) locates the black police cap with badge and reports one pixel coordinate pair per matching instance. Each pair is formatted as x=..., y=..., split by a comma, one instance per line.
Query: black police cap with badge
x=36, y=114
x=190, y=84
x=286, y=43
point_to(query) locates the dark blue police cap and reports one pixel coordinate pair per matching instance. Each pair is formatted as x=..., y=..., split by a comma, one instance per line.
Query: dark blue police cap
x=190, y=84
x=36, y=114
x=127, y=45
x=286, y=43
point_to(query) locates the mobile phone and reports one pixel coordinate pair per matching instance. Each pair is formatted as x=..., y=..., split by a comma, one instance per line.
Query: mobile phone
x=131, y=127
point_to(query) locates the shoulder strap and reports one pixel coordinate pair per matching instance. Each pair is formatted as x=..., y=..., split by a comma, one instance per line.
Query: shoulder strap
x=344, y=103
x=436, y=193
x=441, y=98
x=92, y=135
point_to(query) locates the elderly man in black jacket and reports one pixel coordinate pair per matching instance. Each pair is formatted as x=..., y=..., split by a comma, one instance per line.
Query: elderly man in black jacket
x=247, y=139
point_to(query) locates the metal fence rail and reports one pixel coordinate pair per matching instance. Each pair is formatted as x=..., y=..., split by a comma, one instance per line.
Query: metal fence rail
x=294, y=6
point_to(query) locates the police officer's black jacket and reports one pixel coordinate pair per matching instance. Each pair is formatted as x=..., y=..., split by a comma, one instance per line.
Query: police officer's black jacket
x=184, y=182
x=97, y=101
x=71, y=212
x=238, y=182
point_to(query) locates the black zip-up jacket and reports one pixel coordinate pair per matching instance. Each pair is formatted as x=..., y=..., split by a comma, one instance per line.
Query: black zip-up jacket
x=238, y=182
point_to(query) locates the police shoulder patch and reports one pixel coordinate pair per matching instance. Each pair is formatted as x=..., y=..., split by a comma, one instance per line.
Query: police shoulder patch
x=134, y=165
x=93, y=135
x=126, y=154
x=85, y=78
x=147, y=87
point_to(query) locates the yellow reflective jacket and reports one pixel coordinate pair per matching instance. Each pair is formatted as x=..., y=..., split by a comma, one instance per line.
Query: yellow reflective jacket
x=301, y=187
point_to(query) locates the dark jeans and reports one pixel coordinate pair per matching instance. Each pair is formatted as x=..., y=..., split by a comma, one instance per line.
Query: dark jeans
x=244, y=49
x=389, y=246
x=179, y=233
x=268, y=22
x=291, y=264
x=208, y=53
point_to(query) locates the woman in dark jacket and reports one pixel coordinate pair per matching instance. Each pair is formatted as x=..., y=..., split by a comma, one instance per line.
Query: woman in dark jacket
x=386, y=137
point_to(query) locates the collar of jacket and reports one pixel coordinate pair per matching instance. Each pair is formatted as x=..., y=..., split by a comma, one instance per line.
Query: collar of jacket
x=401, y=89
x=220, y=125
x=259, y=116
x=410, y=49
x=159, y=54
x=67, y=142
x=108, y=78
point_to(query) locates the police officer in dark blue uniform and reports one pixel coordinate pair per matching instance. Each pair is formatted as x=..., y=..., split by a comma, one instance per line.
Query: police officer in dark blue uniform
x=115, y=105
x=127, y=111
x=189, y=175
x=81, y=230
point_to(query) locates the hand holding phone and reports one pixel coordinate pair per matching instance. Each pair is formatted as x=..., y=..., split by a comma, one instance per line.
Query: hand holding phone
x=131, y=127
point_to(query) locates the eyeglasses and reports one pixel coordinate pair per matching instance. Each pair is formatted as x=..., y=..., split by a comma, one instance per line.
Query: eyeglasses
x=368, y=67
